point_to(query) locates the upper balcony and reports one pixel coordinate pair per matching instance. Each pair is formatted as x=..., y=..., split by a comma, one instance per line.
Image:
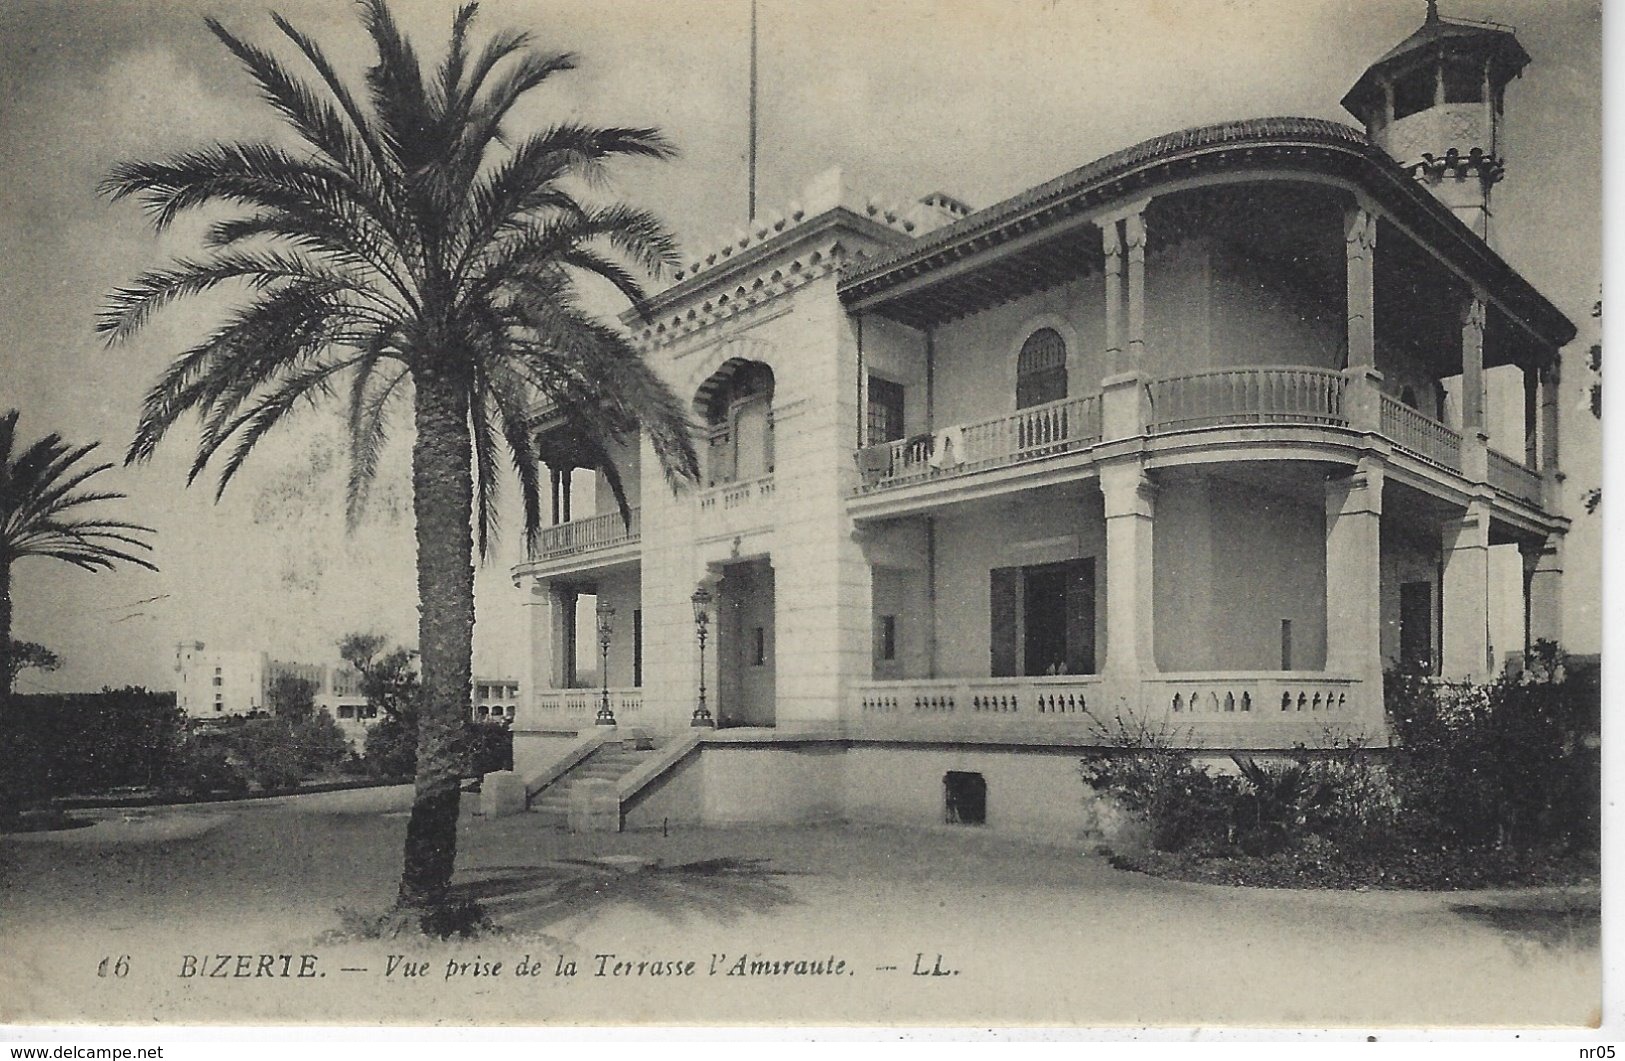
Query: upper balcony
x=1265, y=285
x=604, y=540
x=1294, y=402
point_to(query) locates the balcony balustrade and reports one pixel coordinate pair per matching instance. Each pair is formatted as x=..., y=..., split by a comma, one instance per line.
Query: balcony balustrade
x=1029, y=434
x=1422, y=437
x=1244, y=709
x=580, y=706
x=1260, y=708
x=1514, y=479
x=947, y=702
x=592, y=534
x=1232, y=396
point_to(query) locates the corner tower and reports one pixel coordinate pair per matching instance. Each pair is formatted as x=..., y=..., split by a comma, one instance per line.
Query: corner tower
x=1435, y=102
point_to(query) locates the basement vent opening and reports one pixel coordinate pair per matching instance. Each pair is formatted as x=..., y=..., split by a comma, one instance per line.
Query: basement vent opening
x=966, y=797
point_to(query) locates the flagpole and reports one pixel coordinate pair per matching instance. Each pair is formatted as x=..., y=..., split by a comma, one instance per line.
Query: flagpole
x=752, y=203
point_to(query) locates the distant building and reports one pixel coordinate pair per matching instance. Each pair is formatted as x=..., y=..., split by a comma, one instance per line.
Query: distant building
x=219, y=683
x=495, y=699
x=223, y=683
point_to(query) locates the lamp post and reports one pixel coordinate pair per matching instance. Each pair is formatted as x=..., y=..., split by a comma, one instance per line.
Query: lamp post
x=606, y=632
x=702, y=619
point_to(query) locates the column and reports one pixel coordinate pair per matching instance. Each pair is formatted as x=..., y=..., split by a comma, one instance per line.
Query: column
x=1359, y=253
x=1543, y=591
x=1550, y=380
x=545, y=617
x=1361, y=395
x=1466, y=603
x=1475, y=439
x=1111, y=241
x=1472, y=366
x=1531, y=415
x=1354, y=575
x=1130, y=497
x=1134, y=249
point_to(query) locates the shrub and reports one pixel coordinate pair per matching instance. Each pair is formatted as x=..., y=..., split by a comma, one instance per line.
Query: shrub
x=60, y=744
x=1504, y=763
x=1179, y=802
x=490, y=747
x=1274, y=804
x=391, y=748
x=319, y=743
x=201, y=768
x=266, y=750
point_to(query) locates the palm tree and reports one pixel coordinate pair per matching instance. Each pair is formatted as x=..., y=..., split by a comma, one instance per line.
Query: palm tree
x=412, y=244
x=42, y=490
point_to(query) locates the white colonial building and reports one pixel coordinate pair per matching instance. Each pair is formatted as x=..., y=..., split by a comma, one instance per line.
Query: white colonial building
x=1194, y=436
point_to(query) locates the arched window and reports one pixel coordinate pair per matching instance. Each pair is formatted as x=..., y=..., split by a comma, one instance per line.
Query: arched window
x=737, y=405
x=1041, y=369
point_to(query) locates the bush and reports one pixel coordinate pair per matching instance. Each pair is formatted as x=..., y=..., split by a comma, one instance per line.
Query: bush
x=490, y=747
x=201, y=768
x=61, y=744
x=1179, y=802
x=1498, y=764
x=391, y=748
x=319, y=743
x=267, y=752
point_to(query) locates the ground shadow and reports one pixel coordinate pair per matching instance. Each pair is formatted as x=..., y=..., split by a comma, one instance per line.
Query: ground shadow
x=532, y=898
x=1553, y=924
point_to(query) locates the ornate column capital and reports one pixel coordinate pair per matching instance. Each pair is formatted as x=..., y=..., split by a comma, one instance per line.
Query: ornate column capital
x=1359, y=230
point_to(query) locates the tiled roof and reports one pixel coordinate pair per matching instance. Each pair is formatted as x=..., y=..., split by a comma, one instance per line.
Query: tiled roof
x=1118, y=162
x=1304, y=141
x=1473, y=38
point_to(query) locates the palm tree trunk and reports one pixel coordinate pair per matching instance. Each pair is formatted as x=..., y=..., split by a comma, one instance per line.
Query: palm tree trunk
x=443, y=491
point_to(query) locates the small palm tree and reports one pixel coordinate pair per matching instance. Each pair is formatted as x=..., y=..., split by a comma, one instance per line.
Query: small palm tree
x=412, y=248
x=42, y=491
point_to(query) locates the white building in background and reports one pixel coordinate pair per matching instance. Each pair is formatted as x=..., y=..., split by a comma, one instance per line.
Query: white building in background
x=495, y=699
x=219, y=683
x=222, y=683
x=1195, y=435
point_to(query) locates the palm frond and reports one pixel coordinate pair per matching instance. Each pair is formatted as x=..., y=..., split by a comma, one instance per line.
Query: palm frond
x=41, y=489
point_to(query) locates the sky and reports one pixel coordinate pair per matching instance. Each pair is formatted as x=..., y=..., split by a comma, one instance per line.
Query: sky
x=978, y=98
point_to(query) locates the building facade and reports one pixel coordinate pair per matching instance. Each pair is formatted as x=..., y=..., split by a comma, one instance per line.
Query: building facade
x=1192, y=441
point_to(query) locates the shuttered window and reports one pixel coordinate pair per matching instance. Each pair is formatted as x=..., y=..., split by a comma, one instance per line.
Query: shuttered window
x=1041, y=369
x=1042, y=619
x=1005, y=621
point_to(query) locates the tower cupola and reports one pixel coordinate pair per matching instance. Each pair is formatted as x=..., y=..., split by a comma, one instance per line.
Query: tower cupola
x=1436, y=103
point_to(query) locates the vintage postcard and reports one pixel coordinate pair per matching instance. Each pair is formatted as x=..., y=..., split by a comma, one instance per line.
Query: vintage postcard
x=1074, y=513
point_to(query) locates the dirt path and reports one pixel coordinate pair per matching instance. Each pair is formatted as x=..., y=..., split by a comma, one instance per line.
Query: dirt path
x=951, y=926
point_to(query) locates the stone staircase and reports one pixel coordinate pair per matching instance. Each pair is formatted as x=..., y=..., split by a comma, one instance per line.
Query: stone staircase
x=611, y=762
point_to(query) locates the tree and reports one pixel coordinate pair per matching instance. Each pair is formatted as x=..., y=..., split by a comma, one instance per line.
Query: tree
x=291, y=697
x=413, y=247
x=43, y=488
x=389, y=681
x=29, y=655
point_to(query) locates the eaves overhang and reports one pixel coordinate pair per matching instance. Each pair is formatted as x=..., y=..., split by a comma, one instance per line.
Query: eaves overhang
x=1298, y=144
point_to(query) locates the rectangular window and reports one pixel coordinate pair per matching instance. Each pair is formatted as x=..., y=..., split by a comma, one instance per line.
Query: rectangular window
x=1042, y=619
x=888, y=637
x=1416, y=626
x=885, y=418
x=1286, y=644
x=217, y=680
x=758, y=647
